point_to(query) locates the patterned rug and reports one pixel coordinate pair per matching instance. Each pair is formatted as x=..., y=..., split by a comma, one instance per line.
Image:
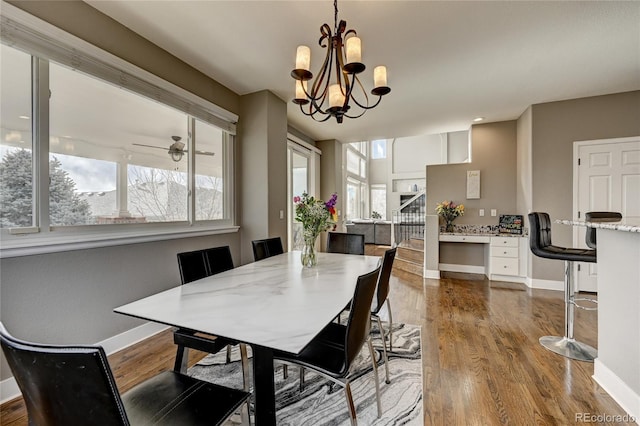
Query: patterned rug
x=324, y=403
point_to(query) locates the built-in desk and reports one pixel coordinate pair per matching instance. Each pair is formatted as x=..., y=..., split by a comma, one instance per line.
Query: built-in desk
x=505, y=256
x=617, y=367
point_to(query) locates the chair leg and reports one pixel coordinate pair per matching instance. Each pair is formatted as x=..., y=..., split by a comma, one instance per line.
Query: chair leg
x=301, y=379
x=390, y=326
x=182, y=360
x=350, y=404
x=244, y=359
x=384, y=350
x=228, y=354
x=285, y=371
x=245, y=417
x=375, y=375
x=566, y=345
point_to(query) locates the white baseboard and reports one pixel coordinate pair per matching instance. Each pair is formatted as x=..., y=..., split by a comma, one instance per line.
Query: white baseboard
x=546, y=284
x=619, y=390
x=469, y=269
x=428, y=273
x=9, y=388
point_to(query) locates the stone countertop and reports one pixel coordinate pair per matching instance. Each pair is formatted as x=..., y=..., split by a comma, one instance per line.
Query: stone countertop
x=625, y=225
x=484, y=234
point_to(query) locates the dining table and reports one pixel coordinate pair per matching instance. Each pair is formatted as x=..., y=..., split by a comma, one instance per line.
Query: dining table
x=275, y=304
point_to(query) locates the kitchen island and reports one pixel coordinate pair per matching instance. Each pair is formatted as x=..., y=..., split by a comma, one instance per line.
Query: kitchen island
x=617, y=367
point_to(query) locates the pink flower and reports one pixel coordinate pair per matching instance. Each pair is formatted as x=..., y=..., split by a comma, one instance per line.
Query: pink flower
x=296, y=199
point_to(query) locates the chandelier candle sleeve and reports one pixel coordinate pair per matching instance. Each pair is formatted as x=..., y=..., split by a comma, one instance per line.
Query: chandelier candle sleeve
x=336, y=98
x=303, y=58
x=380, y=76
x=301, y=88
x=354, y=50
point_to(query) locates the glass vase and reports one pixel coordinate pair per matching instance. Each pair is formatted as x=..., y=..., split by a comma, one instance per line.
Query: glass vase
x=308, y=256
x=448, y=227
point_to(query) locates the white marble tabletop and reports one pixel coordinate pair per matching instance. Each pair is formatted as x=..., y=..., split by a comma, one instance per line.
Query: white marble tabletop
x=274, y=303
x=625, y=225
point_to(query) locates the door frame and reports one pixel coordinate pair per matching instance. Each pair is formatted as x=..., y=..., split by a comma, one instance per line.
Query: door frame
x=313, y=154
x=579, y=231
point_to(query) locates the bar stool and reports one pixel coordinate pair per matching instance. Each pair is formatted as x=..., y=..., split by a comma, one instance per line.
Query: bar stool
x=590, y=237
x=541, y=246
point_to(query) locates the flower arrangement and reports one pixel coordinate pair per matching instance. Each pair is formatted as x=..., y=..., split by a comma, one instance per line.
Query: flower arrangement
x=449, y=211
x=316, y=216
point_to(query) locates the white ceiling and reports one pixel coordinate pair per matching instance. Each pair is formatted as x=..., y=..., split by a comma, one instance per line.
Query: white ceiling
x=447, y=62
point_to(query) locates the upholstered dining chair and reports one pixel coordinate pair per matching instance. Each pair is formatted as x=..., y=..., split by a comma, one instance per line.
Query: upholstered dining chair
x=266, y=248
x=341, y=242
x=590, y=236
x=74, y=385
x=195, y=265
x=333, y=351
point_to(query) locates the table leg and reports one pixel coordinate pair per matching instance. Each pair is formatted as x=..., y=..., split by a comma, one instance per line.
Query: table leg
x=264, y=386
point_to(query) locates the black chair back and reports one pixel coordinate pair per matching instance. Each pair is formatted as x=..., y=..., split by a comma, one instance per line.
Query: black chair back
x=340, y=242
x=590, y=236
x=382, y=291
x=358, y=324
x=266, y=248
x=64, y=385
x=539, y=233
x=198, y=264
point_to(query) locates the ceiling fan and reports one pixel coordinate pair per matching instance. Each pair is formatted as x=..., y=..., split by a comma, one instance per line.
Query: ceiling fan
x=176, y=149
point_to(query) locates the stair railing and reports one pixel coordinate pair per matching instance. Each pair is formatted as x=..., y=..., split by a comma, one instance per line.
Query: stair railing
x=408, y=220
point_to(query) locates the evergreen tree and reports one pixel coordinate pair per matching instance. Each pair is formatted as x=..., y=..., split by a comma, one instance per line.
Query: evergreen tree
x=16, y=189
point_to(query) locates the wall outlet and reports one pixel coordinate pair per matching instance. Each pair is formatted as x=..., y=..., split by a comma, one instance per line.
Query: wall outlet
x=494, y=212
x=481, y=212
x=281, y=214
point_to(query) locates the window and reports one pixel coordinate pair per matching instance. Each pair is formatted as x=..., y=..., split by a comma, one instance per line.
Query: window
x=121, y=147
x=356, y=180
x=379, y=149
x=16, y=162
x=379, y=201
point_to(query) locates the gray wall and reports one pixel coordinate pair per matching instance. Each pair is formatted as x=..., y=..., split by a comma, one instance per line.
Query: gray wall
x=262, y=181
x=493, y=152
x=555, y=126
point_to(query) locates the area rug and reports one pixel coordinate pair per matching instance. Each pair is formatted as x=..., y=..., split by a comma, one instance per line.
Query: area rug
x=324, y=403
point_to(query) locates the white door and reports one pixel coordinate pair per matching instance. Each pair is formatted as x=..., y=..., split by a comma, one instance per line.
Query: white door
x=608, y=179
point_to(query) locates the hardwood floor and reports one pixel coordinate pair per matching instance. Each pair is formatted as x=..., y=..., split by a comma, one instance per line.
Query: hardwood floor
x=482, y=361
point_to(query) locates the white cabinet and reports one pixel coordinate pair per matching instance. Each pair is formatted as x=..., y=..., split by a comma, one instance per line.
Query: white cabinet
x=505, y=258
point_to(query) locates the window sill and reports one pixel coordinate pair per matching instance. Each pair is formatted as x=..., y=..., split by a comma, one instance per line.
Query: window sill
x=61, y=241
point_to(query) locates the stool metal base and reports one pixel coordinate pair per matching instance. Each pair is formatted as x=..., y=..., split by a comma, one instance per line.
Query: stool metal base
x=569, y=348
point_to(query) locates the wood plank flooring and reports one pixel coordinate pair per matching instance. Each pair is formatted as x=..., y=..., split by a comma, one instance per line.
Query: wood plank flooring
x=482, y=361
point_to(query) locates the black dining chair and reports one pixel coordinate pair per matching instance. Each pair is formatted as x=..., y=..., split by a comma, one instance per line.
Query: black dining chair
x=542, y=246
x=266, y=248
x=195, y=265
x=74, y=385
x=333, y=351
x=341, y=242
x=590, y=236
x=382, y=296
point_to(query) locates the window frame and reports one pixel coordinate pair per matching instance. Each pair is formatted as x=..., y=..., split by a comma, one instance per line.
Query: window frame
x=45, y=43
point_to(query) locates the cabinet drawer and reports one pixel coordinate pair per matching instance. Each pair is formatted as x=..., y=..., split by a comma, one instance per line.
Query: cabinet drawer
x=504, y=241
x=504, y=266
x=504, y=251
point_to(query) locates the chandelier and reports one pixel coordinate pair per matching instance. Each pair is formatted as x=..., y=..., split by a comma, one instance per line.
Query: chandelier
x=331, y=97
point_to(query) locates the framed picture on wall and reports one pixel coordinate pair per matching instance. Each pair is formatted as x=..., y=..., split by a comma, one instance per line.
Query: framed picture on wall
x=473, y=184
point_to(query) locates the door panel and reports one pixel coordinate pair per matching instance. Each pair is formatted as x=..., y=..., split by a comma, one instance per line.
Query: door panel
x=608, y=179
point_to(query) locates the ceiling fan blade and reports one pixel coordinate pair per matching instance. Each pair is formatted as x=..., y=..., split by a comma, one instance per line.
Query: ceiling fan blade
x=149, y=146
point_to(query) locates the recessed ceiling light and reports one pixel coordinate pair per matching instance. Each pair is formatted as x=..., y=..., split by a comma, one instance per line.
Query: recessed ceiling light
x=478, y=119
x=24, y=117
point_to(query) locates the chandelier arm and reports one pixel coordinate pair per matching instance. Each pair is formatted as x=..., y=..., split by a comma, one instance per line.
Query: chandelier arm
x=312, y=114
x=313, y=96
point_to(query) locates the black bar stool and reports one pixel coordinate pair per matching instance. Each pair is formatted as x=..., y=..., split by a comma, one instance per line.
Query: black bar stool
x=541, y=246
x=590, y=237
